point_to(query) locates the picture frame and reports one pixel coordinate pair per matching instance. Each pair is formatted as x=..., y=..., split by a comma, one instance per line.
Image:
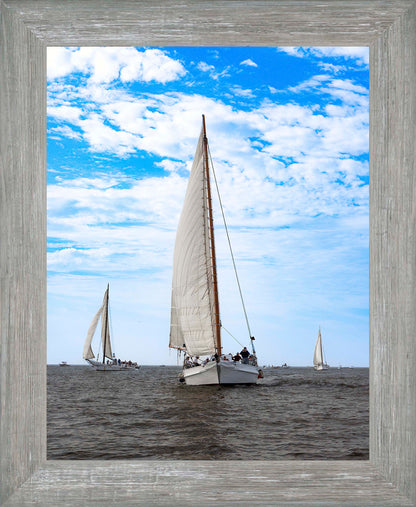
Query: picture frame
x=388, y=27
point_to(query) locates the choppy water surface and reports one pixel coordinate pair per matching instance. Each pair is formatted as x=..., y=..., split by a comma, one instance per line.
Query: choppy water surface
x=295, y=413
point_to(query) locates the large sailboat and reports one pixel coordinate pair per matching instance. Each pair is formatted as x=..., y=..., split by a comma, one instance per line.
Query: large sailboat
x=318, y=356
x=108, y=361
x=195, y=316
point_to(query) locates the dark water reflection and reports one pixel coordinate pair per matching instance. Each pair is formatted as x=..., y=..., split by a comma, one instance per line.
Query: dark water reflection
x=295, y=413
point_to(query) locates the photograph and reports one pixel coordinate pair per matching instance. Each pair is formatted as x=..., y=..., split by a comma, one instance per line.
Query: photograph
x=208, y=227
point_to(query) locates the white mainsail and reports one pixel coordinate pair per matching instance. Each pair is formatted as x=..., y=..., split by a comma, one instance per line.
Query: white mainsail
x=318, y=359
x=105, y=333
x=88, y=353
x=192, y=314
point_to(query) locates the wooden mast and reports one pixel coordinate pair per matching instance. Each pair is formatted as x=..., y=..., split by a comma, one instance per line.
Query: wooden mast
x=105, y=324
x=213, y=257
x=320, y=343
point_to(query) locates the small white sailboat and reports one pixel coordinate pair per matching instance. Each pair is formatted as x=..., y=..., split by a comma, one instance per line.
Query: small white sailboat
x=109, y=361
x=195, y=316
x=318, y=356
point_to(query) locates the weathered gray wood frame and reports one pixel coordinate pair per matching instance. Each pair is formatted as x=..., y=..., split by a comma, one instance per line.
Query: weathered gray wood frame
x=389, y=29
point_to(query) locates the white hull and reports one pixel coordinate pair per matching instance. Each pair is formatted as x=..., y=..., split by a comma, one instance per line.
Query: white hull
x=111, y=367
x=321, y=367
x=224, y=372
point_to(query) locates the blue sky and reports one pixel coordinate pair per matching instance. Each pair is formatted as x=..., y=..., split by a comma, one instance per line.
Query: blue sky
x=288, y=133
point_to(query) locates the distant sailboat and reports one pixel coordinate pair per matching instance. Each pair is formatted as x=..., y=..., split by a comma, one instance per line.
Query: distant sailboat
x=195, y=316
x=318, y=357
x=108, y=363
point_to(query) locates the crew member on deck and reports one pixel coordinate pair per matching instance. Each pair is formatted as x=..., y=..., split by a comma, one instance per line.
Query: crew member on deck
x=188, y=362
x=245, y=354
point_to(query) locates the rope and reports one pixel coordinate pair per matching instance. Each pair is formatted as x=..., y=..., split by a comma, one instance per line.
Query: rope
x=231, y=250
x=232, y=335
x=111, y=328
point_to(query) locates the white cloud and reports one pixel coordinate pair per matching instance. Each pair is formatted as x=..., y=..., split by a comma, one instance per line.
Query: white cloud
x=347, y=84
x=104, y=65
x=250, y=174
x=205, y=67
x=240, y=92
x=339, y=89
x=288, y=131
x=360, y=55
x=294, y=51
x=65, y=113
x=249, y=63
x=329, y=67
x=152, y=65
x=212, y=71
x=105, y=139
x=59, y=62
x=97, y=227
x=171, y=166
x=313, y=83
x=150, y=199
x=259, y=142
x=66, y=131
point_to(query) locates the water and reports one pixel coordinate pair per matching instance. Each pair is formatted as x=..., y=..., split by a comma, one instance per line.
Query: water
x=295, y=413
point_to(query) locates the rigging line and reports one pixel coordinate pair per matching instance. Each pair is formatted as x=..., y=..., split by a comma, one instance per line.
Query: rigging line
x=231, y=250
x=323, y=352
x=111, y=328
x=106, y=323
x=226, y=330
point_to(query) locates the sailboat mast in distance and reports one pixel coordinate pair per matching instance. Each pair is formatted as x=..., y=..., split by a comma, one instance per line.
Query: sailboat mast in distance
x=88, y=354
x=105, y=323
x=318, y=356
x=211, y=233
